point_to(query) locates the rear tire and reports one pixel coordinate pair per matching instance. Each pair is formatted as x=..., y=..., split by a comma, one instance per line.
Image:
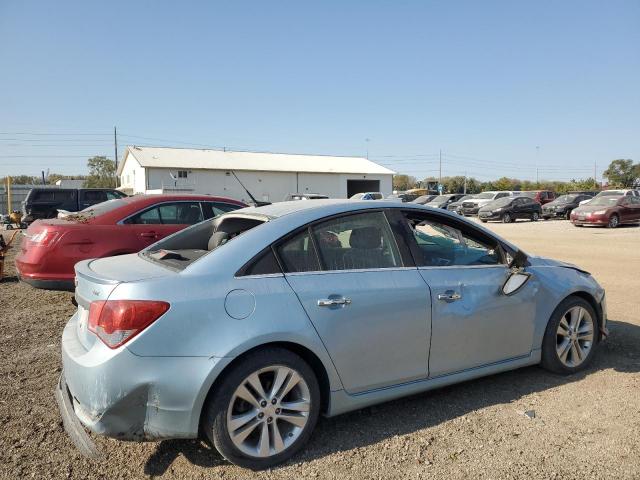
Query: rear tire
x=570, y=337
x=567, y=214
x=264, y=414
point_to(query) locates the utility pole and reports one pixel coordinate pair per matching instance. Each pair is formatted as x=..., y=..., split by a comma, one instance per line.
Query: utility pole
x=595, y=174
x=440, y=175
x=115, y=148
x=537, y=159
x=465, y=183
x=367, y=142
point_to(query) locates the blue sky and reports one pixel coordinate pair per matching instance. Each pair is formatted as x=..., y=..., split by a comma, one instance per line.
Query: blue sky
x=485, y=82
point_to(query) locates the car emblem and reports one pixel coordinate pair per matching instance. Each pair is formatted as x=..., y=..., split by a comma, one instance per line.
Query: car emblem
x=95, y=292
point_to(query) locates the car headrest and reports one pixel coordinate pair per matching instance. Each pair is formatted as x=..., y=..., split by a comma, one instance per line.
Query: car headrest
x=365, y=238
x=217, y=239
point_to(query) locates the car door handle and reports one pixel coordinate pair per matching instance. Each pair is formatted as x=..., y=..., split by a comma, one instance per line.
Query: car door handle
x=149, y=235
x=449, y=296
x=329, y=302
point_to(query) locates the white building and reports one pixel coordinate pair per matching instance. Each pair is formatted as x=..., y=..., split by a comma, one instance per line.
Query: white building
x=268, y=176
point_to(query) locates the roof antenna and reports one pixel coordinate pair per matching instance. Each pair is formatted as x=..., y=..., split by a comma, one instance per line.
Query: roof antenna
x=255, y=202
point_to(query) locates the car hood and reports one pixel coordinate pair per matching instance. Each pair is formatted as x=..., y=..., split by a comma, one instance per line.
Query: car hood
x=537, y=261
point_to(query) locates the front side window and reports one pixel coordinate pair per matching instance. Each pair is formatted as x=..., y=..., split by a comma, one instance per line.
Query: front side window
x=361, y=241
x=95, y=196
x=442, y=245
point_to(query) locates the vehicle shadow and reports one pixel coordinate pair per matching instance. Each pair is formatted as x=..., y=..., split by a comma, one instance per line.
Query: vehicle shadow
x=620, y=352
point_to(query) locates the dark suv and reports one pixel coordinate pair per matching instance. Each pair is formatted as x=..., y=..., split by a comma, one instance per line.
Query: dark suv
x=44, y=202
x=563, y=205
x=509, y=209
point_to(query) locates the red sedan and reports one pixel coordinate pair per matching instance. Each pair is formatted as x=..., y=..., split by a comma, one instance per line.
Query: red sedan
x=608, y=210
x=52, y=247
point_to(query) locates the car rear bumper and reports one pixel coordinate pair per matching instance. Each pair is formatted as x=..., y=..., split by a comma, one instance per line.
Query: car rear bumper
x=47, y=284
x=129, y=397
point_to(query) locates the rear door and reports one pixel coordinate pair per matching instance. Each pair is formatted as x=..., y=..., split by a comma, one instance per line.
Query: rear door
x=473, y=323
x=369, y=305
x=156, y=222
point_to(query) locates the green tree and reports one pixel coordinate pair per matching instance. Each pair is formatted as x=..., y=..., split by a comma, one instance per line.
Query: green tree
x=22, y=180
x=102, y=172
x=621, y=173
x=403, y=182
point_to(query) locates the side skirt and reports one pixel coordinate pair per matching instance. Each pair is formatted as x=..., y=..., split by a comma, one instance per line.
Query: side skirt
x=342, y=402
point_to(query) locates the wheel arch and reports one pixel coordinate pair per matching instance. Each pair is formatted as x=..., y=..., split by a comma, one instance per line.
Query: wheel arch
x=591, y=300
x=305, y=353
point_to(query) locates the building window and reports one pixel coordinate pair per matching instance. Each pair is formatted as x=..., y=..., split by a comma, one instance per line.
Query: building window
x=182, y=174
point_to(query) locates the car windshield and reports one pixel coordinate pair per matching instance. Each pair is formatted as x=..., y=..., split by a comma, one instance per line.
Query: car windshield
x=529, y=194
x=608, y=193
x=605, y=201
x=501, y=202
x=485, y=196
x=440, y=198
x=466, y=197
x=566, y=198
x=357, y=196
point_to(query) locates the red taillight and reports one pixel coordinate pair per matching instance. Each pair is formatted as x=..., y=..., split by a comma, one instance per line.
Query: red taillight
x=44, y=238
x=116, y=322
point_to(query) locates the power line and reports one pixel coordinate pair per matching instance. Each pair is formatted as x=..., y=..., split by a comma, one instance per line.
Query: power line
x=54, y=134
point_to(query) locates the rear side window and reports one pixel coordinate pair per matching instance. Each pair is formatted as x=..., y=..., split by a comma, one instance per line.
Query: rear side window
x=179, y=213
x=360, y=241
x=298, y=254
x=94, y=196
x=264, y=264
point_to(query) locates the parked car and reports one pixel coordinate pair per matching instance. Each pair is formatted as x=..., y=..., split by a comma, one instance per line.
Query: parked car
x=247, y=327
x=541, y=196
x=367, y=196
x=563, y=206
x=52, y=247
x=418, y=192
x=402, y=197
x=608, y=210
x=457, y=205
x=44, y=202
x=305, y=196
x=614, y=193
x=443, y=201
x=424, y=199
x=509, y=209
x=471, y=207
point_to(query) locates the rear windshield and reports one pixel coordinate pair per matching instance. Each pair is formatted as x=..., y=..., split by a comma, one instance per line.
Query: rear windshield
x=501, y=202
x=566, y=198
x=183, y=248
x=96, y=210
x=51, y=195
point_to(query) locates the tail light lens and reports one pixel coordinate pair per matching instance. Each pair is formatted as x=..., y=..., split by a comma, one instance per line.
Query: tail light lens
x=115, y=322
x=44, y=238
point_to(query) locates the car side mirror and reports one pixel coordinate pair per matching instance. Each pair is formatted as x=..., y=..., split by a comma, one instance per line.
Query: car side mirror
x=517, y=276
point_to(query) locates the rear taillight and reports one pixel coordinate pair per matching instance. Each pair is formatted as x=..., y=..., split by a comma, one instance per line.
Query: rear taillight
x=116, y=322
x=44, y=238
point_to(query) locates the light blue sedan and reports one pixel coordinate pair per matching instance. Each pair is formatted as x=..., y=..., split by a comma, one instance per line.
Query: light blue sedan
x=249, y=326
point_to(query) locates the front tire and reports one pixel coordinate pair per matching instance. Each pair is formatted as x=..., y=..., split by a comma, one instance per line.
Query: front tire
x=535, y=217
x=570, y=338
x=264, y=410
x=614, y=221
x=506, y=218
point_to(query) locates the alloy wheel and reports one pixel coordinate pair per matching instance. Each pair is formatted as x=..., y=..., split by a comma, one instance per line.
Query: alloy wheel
x=506, y=218
x=534, y=216
x=613, y=221
x=268, y=411
x=574, y=336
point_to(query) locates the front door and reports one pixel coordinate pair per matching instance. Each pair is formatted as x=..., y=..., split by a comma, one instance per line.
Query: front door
x=473, y=323
x=372, y=312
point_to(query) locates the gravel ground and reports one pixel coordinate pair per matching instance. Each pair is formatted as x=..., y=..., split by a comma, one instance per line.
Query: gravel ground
x=585, y=426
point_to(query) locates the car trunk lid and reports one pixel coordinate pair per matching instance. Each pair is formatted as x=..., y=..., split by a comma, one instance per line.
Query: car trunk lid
x=96, y=279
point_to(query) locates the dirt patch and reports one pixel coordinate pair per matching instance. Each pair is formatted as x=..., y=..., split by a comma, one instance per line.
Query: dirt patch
x=585, y=426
